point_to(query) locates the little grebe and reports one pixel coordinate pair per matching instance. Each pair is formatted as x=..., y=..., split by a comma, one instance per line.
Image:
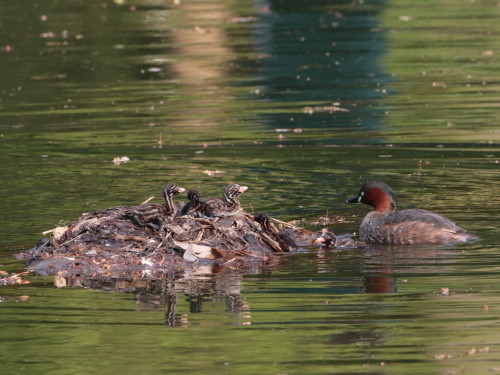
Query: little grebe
x=226, y=206
x=154, y=215
x=193, y=205
x=406, y=227
x=284, y=241
x=328, y=239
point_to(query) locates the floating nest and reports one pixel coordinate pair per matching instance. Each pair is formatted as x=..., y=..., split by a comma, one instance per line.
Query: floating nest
x=107, y=244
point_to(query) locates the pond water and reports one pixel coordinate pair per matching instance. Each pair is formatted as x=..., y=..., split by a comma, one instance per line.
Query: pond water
x=301, y=101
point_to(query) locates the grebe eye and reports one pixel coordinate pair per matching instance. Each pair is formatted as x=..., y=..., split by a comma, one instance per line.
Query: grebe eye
x=361, y=196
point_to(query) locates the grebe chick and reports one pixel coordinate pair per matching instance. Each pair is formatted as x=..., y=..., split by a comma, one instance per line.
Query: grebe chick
x=193, y=205
x=154, y=215
x=285, y=242
x=226, y=206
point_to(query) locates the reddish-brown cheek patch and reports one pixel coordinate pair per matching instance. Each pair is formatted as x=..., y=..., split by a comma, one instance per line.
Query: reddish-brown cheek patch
x=378, y=200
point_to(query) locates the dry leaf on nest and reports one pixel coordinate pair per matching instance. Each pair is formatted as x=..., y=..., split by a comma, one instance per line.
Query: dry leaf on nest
x=193, y=252
x=58, y=232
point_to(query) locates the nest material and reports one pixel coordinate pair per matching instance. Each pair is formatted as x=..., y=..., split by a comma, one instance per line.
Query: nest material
x=107, y=243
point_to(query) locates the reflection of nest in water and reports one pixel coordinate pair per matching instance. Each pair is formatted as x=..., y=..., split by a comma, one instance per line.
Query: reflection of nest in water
x=177, y=296
x=107, y=245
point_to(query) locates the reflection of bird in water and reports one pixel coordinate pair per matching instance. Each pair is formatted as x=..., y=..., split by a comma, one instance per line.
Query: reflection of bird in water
x=234, y=303
x=170, y=313
x=282, y=241
x=406, y=227
x=356, y=338
x=195, y=303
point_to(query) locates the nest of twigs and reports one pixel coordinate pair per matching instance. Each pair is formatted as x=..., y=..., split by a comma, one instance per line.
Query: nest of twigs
x=107, y=244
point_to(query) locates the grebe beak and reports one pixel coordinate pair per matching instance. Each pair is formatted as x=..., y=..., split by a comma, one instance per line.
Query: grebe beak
x=355, y=199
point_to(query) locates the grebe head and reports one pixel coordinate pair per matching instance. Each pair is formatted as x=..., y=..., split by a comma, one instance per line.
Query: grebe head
x=172, y=189
x=193, y=195
x=376, y=194
x=234, y=190
x=262, y=219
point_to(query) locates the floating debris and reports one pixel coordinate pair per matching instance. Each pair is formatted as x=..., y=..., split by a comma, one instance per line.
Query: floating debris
x=119, y=160
x=288, y=130
x=154, y=69
x=243, y=19
x=444, y=292
x=213, y=173
x=405, y=18
x=14, y=279
x=335, y=107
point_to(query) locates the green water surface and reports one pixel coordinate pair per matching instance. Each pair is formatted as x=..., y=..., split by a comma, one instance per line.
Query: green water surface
x=300, y=100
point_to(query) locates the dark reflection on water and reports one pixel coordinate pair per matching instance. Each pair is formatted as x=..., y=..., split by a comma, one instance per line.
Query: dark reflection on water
x=329, y=273
x=320, y=63
x=151, y=295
